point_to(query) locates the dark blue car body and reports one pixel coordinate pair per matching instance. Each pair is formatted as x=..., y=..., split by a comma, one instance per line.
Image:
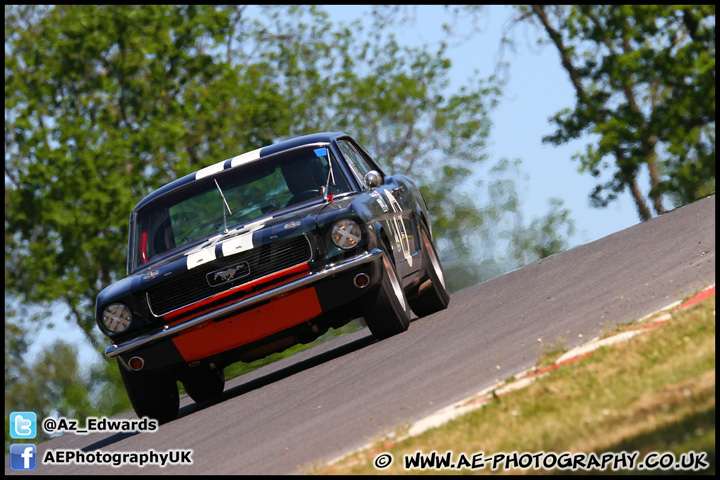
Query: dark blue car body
x=207, y=290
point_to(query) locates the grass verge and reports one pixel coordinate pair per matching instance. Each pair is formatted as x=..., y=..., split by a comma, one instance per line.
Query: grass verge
x=652, y=394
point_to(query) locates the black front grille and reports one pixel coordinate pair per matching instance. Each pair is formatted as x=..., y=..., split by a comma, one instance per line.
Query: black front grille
x=207, y=280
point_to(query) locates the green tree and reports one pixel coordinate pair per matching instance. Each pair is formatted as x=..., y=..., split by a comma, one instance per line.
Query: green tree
x=106, y=103
x=103, y=105
x=644, y=81
x=53, y=384
x=415, y=126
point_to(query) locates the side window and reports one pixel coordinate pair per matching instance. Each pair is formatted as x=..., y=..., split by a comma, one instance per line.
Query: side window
x=359, y=165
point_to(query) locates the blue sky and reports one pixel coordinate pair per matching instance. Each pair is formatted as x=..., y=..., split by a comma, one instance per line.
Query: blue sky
x=537, y=88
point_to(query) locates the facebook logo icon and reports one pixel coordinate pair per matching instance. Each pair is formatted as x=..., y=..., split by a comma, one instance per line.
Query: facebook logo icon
x=23, y=456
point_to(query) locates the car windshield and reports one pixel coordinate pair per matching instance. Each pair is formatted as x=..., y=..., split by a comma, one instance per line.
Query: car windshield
x=232, y=199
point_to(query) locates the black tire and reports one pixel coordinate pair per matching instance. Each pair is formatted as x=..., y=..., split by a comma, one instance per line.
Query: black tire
x=387, y=312
x=204, y=384
x=151, y=395
x=434, y=294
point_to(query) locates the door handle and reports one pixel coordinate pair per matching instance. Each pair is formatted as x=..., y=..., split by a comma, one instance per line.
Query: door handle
x=398, y=190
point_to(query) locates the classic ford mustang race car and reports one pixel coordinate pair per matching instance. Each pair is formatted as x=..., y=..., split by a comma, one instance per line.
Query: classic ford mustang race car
x=260, y=252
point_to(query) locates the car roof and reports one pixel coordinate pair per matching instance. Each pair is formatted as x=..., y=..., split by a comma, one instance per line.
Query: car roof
x=321, y=137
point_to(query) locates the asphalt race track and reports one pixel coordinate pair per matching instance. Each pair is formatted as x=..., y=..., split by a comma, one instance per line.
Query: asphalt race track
x=334, y=398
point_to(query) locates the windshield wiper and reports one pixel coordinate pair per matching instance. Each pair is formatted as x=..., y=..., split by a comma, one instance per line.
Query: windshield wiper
x=225, y=230
x=330, y=176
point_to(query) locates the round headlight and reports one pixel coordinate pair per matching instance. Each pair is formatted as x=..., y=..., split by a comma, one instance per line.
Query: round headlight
x=117, y=317
x=346, y=234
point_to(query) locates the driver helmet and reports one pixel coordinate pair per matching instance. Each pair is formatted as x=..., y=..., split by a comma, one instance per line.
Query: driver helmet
x=304, y=174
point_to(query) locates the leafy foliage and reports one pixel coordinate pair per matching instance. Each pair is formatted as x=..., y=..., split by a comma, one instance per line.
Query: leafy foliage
x=53, y=384
x=106, y=103
x=644, y=78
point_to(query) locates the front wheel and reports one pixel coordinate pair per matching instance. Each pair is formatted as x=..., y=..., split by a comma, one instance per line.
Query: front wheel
x=204, y=384
x=388, y=312
x=433, y=294
x=151, y=395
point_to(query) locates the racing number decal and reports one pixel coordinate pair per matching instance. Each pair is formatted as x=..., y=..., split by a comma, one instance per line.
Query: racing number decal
x=399, y=231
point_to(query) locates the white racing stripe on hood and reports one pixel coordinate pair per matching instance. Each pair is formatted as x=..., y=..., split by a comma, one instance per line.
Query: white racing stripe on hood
x=198, y=258
x=237, y=244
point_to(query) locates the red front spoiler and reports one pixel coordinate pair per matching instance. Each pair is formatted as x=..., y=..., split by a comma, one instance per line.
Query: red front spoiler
x=214, y=337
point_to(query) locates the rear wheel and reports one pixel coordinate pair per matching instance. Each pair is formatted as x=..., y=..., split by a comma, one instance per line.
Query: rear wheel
x=434, y=294
x=388, y=312
x=204, y=384
x=151, y=395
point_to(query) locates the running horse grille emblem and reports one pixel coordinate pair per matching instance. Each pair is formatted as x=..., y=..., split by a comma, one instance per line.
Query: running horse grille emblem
x=224, y=276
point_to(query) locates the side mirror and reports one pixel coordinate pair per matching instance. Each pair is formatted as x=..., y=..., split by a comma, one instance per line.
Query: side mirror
x=373, y=179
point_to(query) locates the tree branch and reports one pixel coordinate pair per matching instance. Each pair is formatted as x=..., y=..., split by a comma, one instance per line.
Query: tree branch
x=556, y=38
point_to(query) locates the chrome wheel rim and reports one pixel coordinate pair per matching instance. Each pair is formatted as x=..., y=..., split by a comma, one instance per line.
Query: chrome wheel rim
x=434, y=260
x=397, y=289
